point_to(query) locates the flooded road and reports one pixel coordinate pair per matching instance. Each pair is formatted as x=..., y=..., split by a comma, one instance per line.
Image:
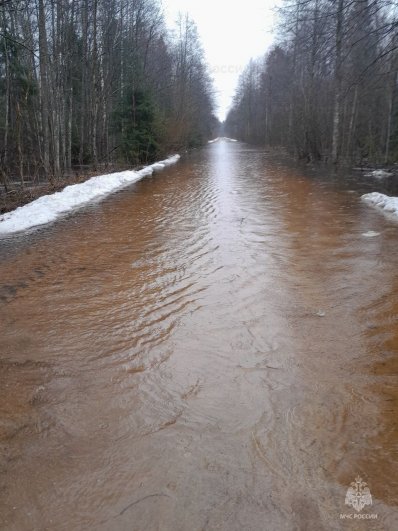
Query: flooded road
x=213, y=348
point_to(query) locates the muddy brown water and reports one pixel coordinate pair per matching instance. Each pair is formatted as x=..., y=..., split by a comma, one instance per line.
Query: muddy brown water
x=213, y=348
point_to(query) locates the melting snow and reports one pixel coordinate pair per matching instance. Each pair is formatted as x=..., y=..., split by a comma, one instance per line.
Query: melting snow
x=371, y=234
x=384, y=202
x=379, y=174
x=222, y=138
x=48, y=208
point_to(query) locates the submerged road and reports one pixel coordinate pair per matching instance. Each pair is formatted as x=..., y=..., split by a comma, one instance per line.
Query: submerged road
x=213, y=348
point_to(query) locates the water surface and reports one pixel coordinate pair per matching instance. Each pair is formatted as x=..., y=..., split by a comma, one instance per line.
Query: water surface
x=213, y=348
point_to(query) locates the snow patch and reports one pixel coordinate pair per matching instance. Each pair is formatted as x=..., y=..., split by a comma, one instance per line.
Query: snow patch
x=48, y=208
x=370, y=234
x=222, y=139
x=382, y=201
x=378, y=174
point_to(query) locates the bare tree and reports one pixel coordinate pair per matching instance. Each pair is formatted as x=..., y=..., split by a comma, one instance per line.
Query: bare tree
x=328, y=88
x=92, y=82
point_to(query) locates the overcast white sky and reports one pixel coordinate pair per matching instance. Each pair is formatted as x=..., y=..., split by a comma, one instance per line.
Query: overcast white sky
x=231, y=34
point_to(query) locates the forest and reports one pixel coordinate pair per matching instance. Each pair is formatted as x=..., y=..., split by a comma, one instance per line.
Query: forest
x=97, y=83
x=327, y=90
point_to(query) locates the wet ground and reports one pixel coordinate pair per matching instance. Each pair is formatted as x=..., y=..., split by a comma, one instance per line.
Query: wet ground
x=213, y=348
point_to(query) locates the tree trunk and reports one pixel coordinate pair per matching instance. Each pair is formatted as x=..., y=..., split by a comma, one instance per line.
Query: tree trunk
x=44, y=89
x=69, y=131
x=348, y=150
x=337, y=112
x=94, y=115
x=392, y=94
x=84, y=81
x=7, y=103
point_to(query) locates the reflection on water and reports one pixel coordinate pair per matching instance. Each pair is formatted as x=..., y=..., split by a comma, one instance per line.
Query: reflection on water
x=213, y=348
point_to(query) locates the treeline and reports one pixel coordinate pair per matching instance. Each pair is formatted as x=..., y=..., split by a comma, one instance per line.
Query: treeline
x=93, y=82
x=328, y=89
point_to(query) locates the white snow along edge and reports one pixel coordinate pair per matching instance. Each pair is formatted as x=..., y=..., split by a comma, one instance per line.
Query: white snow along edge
x=382, y=202
x=48, y=208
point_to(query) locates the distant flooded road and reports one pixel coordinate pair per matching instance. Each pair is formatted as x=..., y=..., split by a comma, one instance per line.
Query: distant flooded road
x=213, y=348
